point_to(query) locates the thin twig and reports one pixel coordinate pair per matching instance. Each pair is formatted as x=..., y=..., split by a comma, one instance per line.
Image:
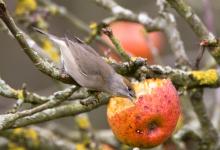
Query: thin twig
x=107, y=31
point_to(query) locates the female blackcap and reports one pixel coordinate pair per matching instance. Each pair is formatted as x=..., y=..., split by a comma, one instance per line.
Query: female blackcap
x=88, y=68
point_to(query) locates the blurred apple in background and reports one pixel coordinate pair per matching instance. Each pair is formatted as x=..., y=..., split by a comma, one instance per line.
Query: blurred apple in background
x=150, y=119
x=135, y=40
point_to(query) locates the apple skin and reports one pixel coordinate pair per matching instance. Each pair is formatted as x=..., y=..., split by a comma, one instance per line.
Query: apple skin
x=135, y=40
x=150, y=119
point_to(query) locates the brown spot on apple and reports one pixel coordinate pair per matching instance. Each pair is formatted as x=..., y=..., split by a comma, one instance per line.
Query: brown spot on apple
x=139, y=131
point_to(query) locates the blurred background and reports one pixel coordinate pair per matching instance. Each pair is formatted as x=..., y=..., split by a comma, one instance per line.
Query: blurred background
x=16, y=68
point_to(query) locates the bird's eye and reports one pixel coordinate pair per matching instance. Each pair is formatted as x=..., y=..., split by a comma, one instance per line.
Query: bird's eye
x=130, y=89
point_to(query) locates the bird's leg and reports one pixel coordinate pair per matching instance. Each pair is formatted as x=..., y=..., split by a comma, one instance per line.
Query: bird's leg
x=62, y=66
x=62, y=69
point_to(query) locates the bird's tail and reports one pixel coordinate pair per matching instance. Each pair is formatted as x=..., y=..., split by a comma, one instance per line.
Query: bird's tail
x=50, y=36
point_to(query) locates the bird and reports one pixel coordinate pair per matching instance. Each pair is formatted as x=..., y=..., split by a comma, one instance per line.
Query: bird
x=88, y=68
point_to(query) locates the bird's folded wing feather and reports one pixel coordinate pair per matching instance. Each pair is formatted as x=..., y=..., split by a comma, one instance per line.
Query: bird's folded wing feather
x=88, y=66
x=78, y=41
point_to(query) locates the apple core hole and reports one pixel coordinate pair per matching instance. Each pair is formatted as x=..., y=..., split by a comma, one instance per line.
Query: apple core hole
x=152, y=126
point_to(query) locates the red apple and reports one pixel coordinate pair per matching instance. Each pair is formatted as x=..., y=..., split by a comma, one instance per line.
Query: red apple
x=135, y=40
x=150, y=119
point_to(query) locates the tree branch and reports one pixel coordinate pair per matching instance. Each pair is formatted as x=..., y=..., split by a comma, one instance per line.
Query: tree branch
x=197, y=26
x=187, y=79
x=29, y=97
x=8, y=120
x=65, y=110
x=209, y=133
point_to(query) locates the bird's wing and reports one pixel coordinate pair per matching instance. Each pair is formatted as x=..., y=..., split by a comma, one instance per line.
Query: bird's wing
x=84, y=45
x=93, y=70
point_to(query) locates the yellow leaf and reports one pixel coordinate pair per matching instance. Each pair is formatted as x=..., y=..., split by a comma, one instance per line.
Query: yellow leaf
x=25, y=6
x=50, y=50
x=80, y=146
x=13, y=146
x=93, y=26
x=82, y=121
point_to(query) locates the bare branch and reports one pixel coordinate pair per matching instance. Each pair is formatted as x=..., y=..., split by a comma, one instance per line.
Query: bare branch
x=7, y=120
x=65, y=110
x=209, y=133
x=33, y=98
x=197, y=26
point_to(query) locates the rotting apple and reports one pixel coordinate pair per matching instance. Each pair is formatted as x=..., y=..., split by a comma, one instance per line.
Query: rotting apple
x=135, y=40
x=150, y=119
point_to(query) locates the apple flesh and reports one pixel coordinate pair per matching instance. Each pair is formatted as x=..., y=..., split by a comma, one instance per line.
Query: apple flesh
x=150, y=119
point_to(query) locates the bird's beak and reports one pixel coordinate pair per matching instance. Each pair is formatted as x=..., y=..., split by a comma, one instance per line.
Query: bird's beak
x=132, y=95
